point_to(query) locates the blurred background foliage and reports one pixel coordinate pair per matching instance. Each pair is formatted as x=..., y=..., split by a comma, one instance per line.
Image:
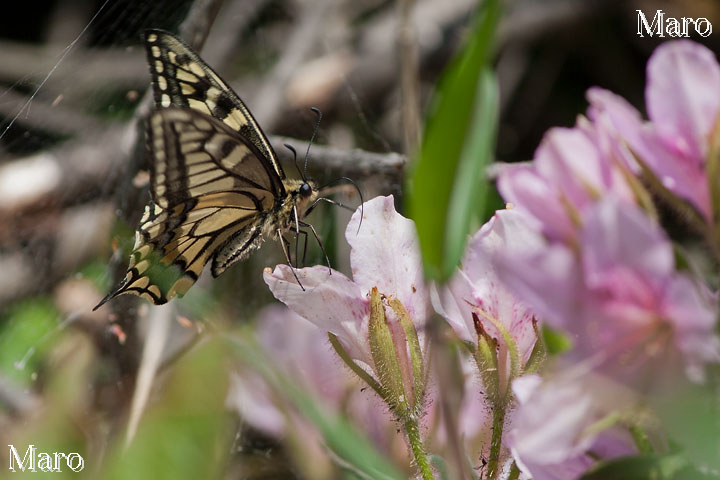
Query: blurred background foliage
x=138, y=400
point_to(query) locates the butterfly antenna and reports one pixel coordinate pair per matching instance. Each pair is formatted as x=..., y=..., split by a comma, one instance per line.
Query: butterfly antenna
x=352, y=182
x=294, y=152
x=314, y=134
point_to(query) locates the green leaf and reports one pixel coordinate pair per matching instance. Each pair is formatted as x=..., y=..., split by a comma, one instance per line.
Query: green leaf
x=359, y=455
x=690, y=414
x=27, y=329
x=556, y=341
x=186, y=433
x=447, y=187
x=640, y=467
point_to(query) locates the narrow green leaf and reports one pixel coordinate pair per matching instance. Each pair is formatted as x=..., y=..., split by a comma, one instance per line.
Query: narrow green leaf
x=539, y=352
x=469, y=197
x=340, y=436
x=640, y=467
x=356, y=369
x=446, y=186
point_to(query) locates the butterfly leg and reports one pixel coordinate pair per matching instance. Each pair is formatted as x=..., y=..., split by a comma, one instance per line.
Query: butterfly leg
x=317, y=238
x=305, y=247
x=284, y=243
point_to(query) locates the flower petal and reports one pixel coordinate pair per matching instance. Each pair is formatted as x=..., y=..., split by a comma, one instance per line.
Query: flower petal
x=571, y=162
x=531, y=193
x=452, y=302
x=683, y=95
x=677, y=172
x=556, y=424
x=250, y=396
x=621, y=236
x=303, y=352
x=330, y=301
x=509, y=232
x=546, y=276
x=385, y=254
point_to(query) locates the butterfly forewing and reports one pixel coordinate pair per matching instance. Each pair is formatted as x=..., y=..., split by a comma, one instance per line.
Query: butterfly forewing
x=180, y=78
x=195, y=157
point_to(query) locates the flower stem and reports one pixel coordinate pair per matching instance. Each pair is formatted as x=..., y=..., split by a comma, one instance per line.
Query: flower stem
x=413, y=432
x=496, y=441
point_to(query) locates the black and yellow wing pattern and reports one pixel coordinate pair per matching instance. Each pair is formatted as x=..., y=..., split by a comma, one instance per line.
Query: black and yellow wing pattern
x=181, y=78
x=215, y=183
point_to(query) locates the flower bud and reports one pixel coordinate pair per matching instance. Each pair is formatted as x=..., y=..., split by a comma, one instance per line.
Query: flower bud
x=397, y=356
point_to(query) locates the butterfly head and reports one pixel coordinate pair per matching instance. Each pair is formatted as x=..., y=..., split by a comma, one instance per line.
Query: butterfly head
x=301, y=193
x=306, y=190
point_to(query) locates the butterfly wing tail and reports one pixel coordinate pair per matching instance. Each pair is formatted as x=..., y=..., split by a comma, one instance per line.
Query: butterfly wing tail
x=118, y=290
x=132, y=284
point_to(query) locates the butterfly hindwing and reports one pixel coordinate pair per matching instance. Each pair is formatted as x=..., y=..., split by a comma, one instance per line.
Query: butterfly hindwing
x=181, y=78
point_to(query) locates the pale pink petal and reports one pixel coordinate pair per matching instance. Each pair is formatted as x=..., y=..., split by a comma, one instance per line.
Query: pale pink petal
x=452, y=302
x=524, y=387
x=571, y=162
x=549, y=281
x=476, y=285
x=385, y=254
x=530, y=193
x=250, y=396
x=548, y=427
x=683, y=96
x=302, y=351
x=677, y=173
x=619, y=120
x=552, y=427
x=509, y=231
x=621, y=236
x=331, y=301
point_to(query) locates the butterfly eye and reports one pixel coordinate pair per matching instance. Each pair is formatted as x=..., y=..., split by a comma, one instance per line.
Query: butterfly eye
x=305, y=190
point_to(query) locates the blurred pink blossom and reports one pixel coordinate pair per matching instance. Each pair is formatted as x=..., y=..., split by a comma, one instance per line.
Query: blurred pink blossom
x=616, y=288
x=594, y=262
x=683, y=99
x=572, y=168
x=301, y=351
x=554, y=434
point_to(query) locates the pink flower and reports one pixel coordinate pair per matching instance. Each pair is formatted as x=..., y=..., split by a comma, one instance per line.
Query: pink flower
x=571, y=169
x=683, y=100
x=617, y=287
x=301, y=351
x=555, y=434
x=475, y=288
x=385, y=258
